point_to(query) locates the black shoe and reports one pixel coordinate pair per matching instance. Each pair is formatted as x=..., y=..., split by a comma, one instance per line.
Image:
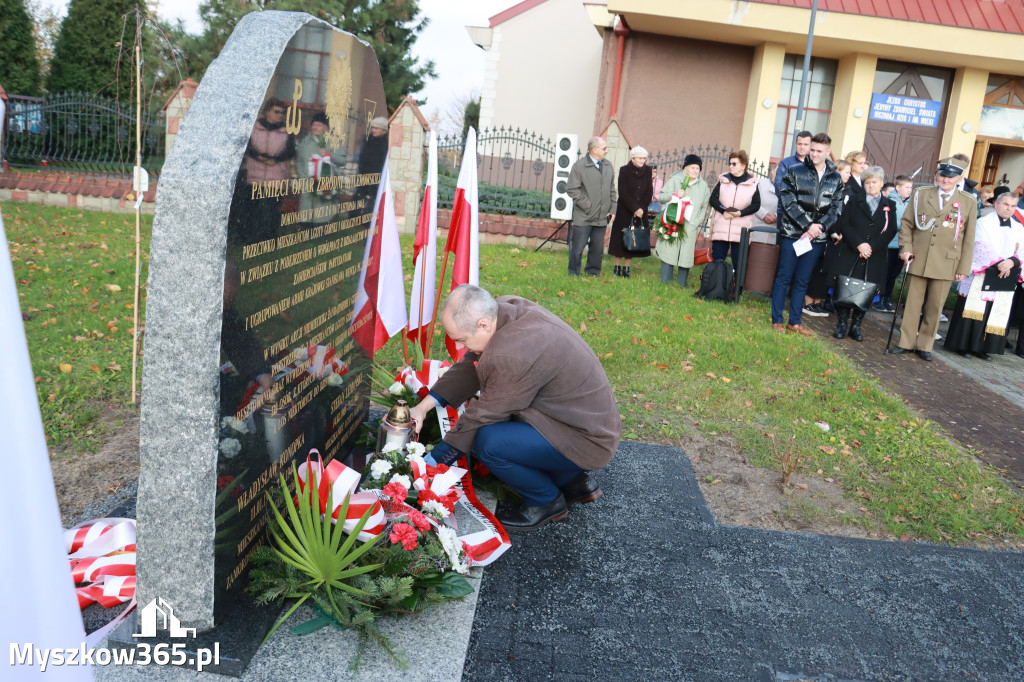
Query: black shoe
x=582, y=489
x=924, y=355
x=529, y=518
x=842, y=324
x=625, y=271
x=855, y=320
x=618, y=271
x=983, y=356
x=896, y=351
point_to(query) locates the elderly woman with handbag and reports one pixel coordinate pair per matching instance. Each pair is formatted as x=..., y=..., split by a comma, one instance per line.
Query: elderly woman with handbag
x=866, y=225
x=636, y=189
x=677, y=235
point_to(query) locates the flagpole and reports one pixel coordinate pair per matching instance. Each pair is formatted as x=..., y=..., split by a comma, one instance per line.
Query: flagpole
x=437, y=299
x=419, y=310
x=138, y=206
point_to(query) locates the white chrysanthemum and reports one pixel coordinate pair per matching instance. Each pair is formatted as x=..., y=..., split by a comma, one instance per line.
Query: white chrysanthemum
x=411, y=459
x=230, y=447
x=390, y=447
x=435, y=509
x=415, y=448
x=334, y=379
x=301, y=353
x=402, y=479
x=234, y=424
x=453, y=548
x=397, y=388
x=380, y=468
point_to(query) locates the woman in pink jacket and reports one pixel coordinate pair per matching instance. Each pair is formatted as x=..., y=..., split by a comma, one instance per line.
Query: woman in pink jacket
x=735, y=200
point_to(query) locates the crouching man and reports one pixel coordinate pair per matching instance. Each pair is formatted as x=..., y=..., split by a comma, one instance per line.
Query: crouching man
x=546, y=415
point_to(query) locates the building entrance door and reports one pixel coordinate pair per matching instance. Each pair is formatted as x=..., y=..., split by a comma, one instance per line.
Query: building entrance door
x=895, y=141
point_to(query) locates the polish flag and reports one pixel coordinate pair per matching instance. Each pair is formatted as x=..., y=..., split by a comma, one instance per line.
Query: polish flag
x=464, y=232
x=379, y=310
x=424, y=254
x=38, y=605
x=1018, y=215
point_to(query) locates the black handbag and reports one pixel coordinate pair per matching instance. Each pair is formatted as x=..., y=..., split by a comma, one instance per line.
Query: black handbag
x=636, y=237
x=853, y=292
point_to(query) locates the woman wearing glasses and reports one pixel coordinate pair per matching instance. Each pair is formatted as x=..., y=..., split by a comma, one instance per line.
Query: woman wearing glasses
x=735, y=200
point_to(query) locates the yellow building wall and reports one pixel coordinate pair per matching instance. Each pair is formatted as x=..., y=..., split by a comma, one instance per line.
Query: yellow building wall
x=855, y=79
x=965, y=102
x=759, y=122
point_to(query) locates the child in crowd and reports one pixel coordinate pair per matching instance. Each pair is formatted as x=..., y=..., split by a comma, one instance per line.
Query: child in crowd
x=900, y=194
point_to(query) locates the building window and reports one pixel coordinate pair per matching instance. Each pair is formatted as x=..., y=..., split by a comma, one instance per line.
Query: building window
x=821, y=84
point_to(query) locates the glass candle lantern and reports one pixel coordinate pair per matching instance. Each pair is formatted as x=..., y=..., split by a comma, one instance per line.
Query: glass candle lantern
x=397, y=428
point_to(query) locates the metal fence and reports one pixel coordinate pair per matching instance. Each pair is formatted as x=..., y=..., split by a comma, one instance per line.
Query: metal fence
x=514, y=170
x=715, y=161
x=77, y=131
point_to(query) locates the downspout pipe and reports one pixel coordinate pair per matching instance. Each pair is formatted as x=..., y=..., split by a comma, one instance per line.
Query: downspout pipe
x=621, y=30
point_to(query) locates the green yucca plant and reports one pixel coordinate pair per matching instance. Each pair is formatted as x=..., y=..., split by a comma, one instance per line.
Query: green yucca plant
x=310, y=542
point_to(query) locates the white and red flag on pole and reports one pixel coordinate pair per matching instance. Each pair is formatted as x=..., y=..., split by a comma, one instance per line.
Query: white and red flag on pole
x=379, y=310
x=38, y=606
x=424, y=254
x=464, y=232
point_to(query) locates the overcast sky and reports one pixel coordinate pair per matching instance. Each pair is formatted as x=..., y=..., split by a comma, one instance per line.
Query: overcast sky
x=460, y=63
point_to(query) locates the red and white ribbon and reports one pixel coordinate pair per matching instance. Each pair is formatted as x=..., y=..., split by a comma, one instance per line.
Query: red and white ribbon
x=485, y=546
x=343, y=481
x=419, y=382
x=317, y=163
x=357, y=506
x=684, y=210
x=323, y=362
x=102, y=555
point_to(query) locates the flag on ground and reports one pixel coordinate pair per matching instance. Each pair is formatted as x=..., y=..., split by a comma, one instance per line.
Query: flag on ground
x=379, y=309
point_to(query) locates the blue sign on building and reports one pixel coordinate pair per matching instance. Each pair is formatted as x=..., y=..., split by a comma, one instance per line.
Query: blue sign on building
x=909, y=110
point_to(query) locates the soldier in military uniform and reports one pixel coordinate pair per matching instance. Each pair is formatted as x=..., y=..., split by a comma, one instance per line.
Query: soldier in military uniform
x=937, y=241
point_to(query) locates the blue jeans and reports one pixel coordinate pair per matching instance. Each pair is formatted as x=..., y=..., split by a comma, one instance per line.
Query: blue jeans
x=795, y=270
x=520, y=456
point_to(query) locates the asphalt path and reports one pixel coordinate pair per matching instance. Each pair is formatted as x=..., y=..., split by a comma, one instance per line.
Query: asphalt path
x=644, y=584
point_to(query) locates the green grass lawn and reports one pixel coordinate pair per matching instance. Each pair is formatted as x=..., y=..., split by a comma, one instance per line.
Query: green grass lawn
x=75, y=273
x=676, y=363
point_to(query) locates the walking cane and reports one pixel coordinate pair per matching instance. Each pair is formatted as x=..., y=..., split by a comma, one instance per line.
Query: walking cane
x=896, y=313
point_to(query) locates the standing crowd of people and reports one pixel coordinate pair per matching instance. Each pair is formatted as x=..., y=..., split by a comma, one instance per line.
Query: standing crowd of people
x=845, y=236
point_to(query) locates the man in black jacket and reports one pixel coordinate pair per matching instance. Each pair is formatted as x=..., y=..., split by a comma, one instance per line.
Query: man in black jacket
x=809, y=205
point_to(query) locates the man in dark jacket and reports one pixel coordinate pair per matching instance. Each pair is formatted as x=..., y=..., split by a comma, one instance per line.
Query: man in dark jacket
x=803, y=145
x=591, y=186
x=546, y=414
x=809, y=205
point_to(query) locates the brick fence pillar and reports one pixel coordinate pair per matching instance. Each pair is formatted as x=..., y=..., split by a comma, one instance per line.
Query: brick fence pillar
x=175, y=109
x=407, y=132
x=618, y=145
